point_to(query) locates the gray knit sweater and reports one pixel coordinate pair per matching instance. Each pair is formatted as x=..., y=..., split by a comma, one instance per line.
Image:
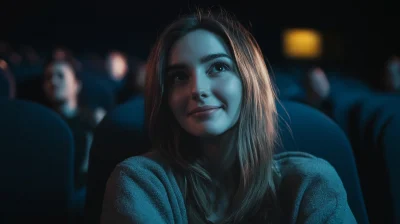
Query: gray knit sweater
x=143, y=189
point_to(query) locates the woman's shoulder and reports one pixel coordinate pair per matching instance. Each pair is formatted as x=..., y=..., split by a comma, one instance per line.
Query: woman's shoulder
x=311, y=189
x=143, y=189
x=305, y=170
x=152, y=161
x=304, y=165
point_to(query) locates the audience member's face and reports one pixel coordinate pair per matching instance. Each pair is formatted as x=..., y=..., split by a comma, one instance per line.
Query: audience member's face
x=201, y=73
x=3, y=65
x=60, y=84
x=117, y=66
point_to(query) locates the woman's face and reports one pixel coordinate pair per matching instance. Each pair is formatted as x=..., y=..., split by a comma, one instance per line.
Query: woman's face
x=202, y=76
x=60, y=84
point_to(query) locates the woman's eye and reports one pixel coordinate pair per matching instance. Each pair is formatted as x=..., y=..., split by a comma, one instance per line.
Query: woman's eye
x=59, y=75
x=218, y=67
x=180, y=77
x=177, y=77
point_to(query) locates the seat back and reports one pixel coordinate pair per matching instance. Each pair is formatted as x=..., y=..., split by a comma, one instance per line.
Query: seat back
x=369, y=119
x=303, y=128
x=96, y=92
x=36, y=163
x=120, y=135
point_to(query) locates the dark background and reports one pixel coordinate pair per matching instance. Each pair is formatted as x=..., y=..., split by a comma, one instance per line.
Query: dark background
x=358, y=36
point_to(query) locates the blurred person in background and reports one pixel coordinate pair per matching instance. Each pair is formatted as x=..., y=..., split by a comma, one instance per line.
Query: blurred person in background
x=62, y=86
x=30, y=55
x=117, y=69
x=61, y=53
x=134, y=84
x=64, y=54
x=7, y=81
x=318, y=90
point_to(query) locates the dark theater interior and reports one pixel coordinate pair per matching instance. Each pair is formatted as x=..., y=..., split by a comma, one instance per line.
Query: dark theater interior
x=82, y=89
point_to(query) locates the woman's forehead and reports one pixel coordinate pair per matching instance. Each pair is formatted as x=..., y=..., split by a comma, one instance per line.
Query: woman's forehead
x=196, y=45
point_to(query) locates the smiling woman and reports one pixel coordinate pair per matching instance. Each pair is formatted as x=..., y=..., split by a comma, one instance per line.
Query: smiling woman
x=205, y=90
x=211, y=115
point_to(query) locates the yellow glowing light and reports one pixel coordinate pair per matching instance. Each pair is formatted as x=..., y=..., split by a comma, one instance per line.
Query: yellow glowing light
x=302, y=43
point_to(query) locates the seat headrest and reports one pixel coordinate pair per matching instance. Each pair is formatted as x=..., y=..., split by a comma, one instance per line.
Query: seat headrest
x=97, y=92
x=303, y=128
x=122, y=130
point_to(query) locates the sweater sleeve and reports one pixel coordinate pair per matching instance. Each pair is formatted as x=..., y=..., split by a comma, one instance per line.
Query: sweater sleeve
x=140, y=190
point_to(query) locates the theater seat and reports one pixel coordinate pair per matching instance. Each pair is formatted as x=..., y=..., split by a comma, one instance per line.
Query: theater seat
x=36, y=164
x=96, y=93
x=369, y=120
x=119, y=136
x=305, y=129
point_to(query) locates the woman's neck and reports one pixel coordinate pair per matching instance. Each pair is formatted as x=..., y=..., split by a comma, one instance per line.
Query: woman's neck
x=219, y=155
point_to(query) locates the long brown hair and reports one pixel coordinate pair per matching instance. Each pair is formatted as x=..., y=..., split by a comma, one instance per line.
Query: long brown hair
x=254, y=136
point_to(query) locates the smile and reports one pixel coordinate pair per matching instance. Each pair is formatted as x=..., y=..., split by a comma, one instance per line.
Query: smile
x=206, y=113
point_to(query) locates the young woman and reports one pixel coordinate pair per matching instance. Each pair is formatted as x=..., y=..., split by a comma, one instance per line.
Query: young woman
x=212, y=119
